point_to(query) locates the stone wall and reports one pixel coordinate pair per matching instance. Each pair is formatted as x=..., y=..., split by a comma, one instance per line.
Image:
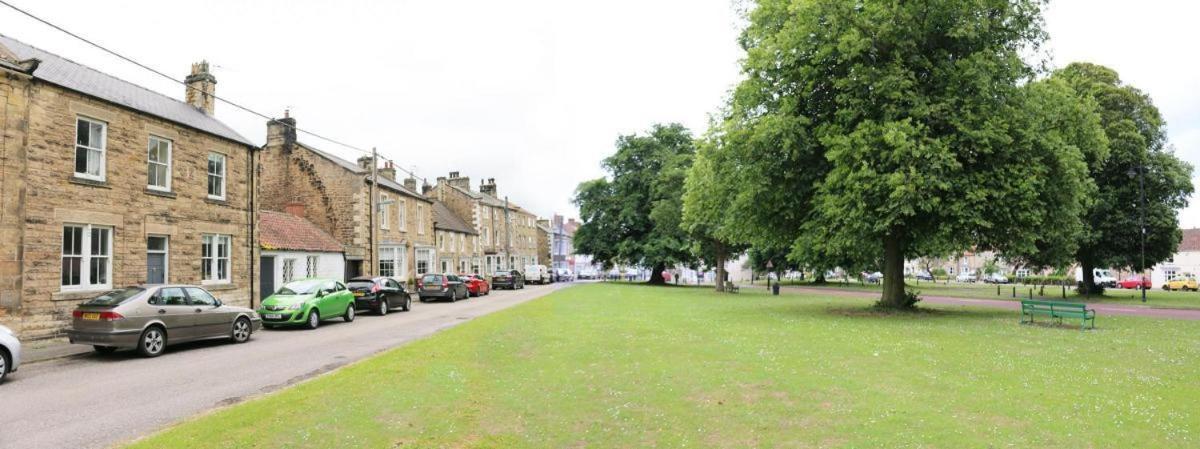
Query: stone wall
x=48, y=196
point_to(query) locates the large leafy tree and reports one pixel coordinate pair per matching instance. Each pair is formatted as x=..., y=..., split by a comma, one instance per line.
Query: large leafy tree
x=706, y=217
x=634, y=215
x=879, y=131
x=1137, y=147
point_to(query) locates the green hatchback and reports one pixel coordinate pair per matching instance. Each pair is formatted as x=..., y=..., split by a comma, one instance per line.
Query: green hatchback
x=306, y=303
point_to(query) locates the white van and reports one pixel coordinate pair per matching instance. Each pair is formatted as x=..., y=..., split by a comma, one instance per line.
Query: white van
x=1101, y=276
x=537, y=274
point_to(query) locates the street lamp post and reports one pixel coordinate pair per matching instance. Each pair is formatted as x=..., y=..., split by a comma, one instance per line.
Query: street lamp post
x=1141, y=220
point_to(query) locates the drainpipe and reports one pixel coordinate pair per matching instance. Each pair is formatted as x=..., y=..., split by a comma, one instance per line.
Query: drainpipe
x=252, y=207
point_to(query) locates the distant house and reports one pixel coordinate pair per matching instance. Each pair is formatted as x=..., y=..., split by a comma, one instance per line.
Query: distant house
x=457, y=241
x=1185, y=260
x=294, y=248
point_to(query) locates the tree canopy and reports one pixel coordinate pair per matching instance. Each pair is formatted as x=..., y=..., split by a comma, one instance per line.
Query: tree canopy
x=634, y=215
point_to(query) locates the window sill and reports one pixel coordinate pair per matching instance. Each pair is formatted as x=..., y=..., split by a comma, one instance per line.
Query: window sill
x=219, y=287
x=75, y=295
x=162, y=193
x=219, y=202
x=88, y=182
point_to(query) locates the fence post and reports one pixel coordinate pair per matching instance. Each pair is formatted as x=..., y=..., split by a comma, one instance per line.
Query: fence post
x=1014, y=292
x=1064, y=288
x=997, y=289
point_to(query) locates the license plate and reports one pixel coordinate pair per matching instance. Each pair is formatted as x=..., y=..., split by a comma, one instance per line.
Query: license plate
x=273, y=316
x=91, y=316
x=358, y=294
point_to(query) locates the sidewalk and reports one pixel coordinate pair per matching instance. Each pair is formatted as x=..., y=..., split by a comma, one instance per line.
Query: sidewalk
x=43, y=350
x=1108, y=309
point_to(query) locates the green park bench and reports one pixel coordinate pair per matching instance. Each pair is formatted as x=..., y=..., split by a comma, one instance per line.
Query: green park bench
x=1058, y=310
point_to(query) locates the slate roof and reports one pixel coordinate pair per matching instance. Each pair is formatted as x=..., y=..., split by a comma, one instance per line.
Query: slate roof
x=1191, y=240
x=486, y=199
x=69, y=74
x=446, y=219
x=355, y=168
x=284, y=231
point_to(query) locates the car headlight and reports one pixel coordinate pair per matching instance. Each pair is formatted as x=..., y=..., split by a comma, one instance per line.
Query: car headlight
x=296, y=306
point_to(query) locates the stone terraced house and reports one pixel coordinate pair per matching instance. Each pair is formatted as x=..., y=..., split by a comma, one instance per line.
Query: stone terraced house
x=487, y=213
x=105, y=184
x=335, y=196
x=457, y=242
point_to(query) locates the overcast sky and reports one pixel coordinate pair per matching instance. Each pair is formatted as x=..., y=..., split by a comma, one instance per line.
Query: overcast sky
x=532, y=93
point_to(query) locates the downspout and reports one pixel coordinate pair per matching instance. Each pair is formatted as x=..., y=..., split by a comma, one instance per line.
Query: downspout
x=251, y=196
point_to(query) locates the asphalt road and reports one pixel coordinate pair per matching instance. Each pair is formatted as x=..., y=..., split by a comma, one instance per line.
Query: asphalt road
x=94, y=400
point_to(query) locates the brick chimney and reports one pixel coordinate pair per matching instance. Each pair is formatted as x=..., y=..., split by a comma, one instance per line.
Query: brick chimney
x=426, y=189
x=295, y=208
x=201, y=88
x=365, y=163
x=411, y=183
x=282, y=132
x=388, y=171
x=461, y=182
x=488, y=187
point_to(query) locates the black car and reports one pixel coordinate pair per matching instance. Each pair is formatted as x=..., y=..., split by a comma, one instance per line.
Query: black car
x=511, y=280
x=380, y=294
x=442, y=286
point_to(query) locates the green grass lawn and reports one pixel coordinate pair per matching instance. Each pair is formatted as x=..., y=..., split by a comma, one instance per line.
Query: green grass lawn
x=626, y=366
x=1154, y=298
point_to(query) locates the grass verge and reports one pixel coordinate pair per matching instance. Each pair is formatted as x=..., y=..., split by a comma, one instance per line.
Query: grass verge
x=617, y=366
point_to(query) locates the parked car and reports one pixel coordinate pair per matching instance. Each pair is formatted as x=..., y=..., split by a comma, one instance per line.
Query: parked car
x=1100, y=276
x=1135, y=282
x=995, y=278
x=149, y=318
x=564, y=275
x=306, y=303
x=872, y=278
x=380, y=294
x=1182, y=282
x=476, y=284
x=442, y=286
x=923, y=276
x=965, y=276
x=10, y=353
x=537, y=274
x=511, y=280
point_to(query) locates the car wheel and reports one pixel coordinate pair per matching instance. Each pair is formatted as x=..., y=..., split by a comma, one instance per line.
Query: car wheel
x=105, y=349
x=241, y=330
x=4, y=363
x=453, y=295
x=349, y=315
x=314, y=319
x=407, y=303
x=383, y=307
x=152, y=342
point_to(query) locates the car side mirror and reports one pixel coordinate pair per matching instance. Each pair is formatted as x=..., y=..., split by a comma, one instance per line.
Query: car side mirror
x=324, y=292
x=217, y=304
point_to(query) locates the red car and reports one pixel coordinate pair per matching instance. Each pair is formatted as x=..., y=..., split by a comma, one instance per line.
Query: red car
x=476, y=285
x=1131, y=283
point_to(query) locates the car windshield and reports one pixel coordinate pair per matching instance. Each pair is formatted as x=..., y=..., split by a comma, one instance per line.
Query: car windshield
x=301, y=288
x=114, y=297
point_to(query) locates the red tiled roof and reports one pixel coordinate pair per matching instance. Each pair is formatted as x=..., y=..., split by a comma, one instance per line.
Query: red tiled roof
x=283, y=231
x=1191, y=240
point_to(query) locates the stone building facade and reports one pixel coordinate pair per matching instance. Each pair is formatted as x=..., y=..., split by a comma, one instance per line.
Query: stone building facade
x=336, y=195
x=545, y=237
x=105, y=184
x=507, y=233
x=457, y=242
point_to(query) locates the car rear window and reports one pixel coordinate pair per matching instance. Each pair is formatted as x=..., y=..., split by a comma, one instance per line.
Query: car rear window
x=360, y=284
x=115, y=297
x=432, y=278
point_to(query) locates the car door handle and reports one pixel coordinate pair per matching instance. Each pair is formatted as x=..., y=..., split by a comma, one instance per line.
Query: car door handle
x=199, y=310
x=162, y=311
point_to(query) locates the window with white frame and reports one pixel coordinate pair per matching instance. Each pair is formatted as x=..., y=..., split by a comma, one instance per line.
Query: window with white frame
x=91, y=141
x=402, y=206
x=445, y=265
x=420, y=219
x=86, y=257
x=216, y=176
x=387, y=262
x=385, y=211
x=311, y=270
x=289, y=270
x=158, y=164
x=424, y=261
x=214, y=258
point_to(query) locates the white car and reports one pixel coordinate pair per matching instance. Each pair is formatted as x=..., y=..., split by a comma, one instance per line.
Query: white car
x=965, y=277
x=10, y=352
x=537, y=274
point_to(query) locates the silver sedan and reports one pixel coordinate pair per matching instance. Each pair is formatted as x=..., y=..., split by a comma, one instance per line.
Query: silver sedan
x=148, y=318
x=10, y=352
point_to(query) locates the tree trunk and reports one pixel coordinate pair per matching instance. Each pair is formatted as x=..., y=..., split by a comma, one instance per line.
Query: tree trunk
x=893, y=273
x=721, y=274
x=819, y=277
x=1089, y=276
x=656, y=277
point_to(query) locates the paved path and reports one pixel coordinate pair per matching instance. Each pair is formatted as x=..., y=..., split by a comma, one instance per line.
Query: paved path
x=93, y=400
x=1101, y=308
